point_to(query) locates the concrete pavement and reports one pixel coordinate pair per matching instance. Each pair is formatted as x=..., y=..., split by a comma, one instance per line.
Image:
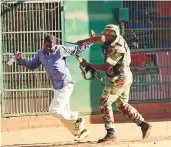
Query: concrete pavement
x=129, y=135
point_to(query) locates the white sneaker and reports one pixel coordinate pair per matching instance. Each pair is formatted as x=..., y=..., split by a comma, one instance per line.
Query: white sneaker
x=79, y=125
x=83, y=134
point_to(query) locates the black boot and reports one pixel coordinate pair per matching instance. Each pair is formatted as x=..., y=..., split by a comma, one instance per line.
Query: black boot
x=146, y=129
x=110, y=136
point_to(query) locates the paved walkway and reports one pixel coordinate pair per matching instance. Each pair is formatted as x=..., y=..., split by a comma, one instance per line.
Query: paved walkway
x=129, y=135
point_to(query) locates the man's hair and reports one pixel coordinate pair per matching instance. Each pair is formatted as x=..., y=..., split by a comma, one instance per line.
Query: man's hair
x=50, y=38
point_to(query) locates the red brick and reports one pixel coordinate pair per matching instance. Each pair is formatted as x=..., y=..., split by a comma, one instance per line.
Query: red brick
x=135, y=106
x=26, y=118
x=154, y=106
x=40, y=118
x=15, y=119
x=168, y=106
x=147, y=117
x=166, y=115
x=54, y=123
x=50, y=117
x=49, y=123
x=3, y=120
x=93, y=119
x=12, y=129
x=119, y=117
x=57, y=122
x=8, y=120
x=156, y=116
x=162, y=105
x=163, y=110
x=25, y=124
x=4, y=129
x=169, y=110
x=144, y=107
x=150, y=111
x=32, y=117
x=11, y=125
x=36, y=123
x=25, y=127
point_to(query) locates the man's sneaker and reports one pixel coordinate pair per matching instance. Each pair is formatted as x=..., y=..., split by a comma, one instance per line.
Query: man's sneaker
x=146, y=129
x=110, y=136
x=79, y=125
x=83, y=134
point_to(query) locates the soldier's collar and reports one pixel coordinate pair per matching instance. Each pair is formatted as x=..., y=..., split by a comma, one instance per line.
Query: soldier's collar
x=115, y=41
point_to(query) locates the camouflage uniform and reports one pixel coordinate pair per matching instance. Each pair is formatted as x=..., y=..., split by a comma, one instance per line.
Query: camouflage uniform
x=119, y=82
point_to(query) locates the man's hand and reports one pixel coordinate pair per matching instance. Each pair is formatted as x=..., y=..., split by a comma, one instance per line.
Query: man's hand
x=83, y=62
x=92, y=40
x=81, y=42
x=93, y=34
x=17, y=55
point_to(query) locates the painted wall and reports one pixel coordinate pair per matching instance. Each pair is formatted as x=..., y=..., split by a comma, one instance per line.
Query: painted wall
x=80, y=17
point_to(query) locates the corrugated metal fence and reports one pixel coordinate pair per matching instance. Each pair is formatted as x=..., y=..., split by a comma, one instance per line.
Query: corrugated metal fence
x=23, y=28
x=149, y=36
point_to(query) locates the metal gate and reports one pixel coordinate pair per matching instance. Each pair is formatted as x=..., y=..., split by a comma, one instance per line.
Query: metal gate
x=149, y=36
x=26, y=92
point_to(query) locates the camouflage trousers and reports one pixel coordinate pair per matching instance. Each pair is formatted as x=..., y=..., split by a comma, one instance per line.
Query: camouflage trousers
x=117, y=90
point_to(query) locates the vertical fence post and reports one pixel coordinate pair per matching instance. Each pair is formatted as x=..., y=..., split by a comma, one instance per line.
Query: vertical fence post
x=1, y=66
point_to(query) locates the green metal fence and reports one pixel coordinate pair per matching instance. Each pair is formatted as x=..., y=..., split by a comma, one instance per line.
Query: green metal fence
x=149, y=36
x=23, y=27
x=148, y=33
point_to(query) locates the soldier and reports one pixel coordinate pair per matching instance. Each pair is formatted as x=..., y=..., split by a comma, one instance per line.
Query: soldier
x=117, y=67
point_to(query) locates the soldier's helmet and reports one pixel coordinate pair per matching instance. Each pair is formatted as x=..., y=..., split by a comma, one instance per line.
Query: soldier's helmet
x=112, y=29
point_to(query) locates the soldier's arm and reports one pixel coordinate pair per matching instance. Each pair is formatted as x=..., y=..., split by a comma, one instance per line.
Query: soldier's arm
x=113, y=57
x=82, y=46
x=110, y=62
x=91, y=40
x=75, y=50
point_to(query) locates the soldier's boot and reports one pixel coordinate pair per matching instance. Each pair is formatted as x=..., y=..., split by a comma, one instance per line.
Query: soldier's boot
x=81, y=132
x=146, y=129
x=110, y=136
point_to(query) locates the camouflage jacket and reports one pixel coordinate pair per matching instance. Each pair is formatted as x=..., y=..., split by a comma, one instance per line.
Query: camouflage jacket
x=122, y=67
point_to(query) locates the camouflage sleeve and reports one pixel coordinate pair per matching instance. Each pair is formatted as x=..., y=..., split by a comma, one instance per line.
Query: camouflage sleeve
x=118, y=50
x=119, y=44
x=114, y=58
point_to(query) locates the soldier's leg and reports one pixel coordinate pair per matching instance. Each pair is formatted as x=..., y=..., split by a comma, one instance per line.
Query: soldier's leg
x=130, y=112
x=127, y=110
x=107, y=113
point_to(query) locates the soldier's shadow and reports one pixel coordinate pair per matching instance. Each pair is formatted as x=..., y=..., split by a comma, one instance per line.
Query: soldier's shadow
x=82, y=144
x=59, y=144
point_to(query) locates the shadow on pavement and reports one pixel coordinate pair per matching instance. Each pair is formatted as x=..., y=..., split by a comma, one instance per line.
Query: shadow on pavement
x=153, y=140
